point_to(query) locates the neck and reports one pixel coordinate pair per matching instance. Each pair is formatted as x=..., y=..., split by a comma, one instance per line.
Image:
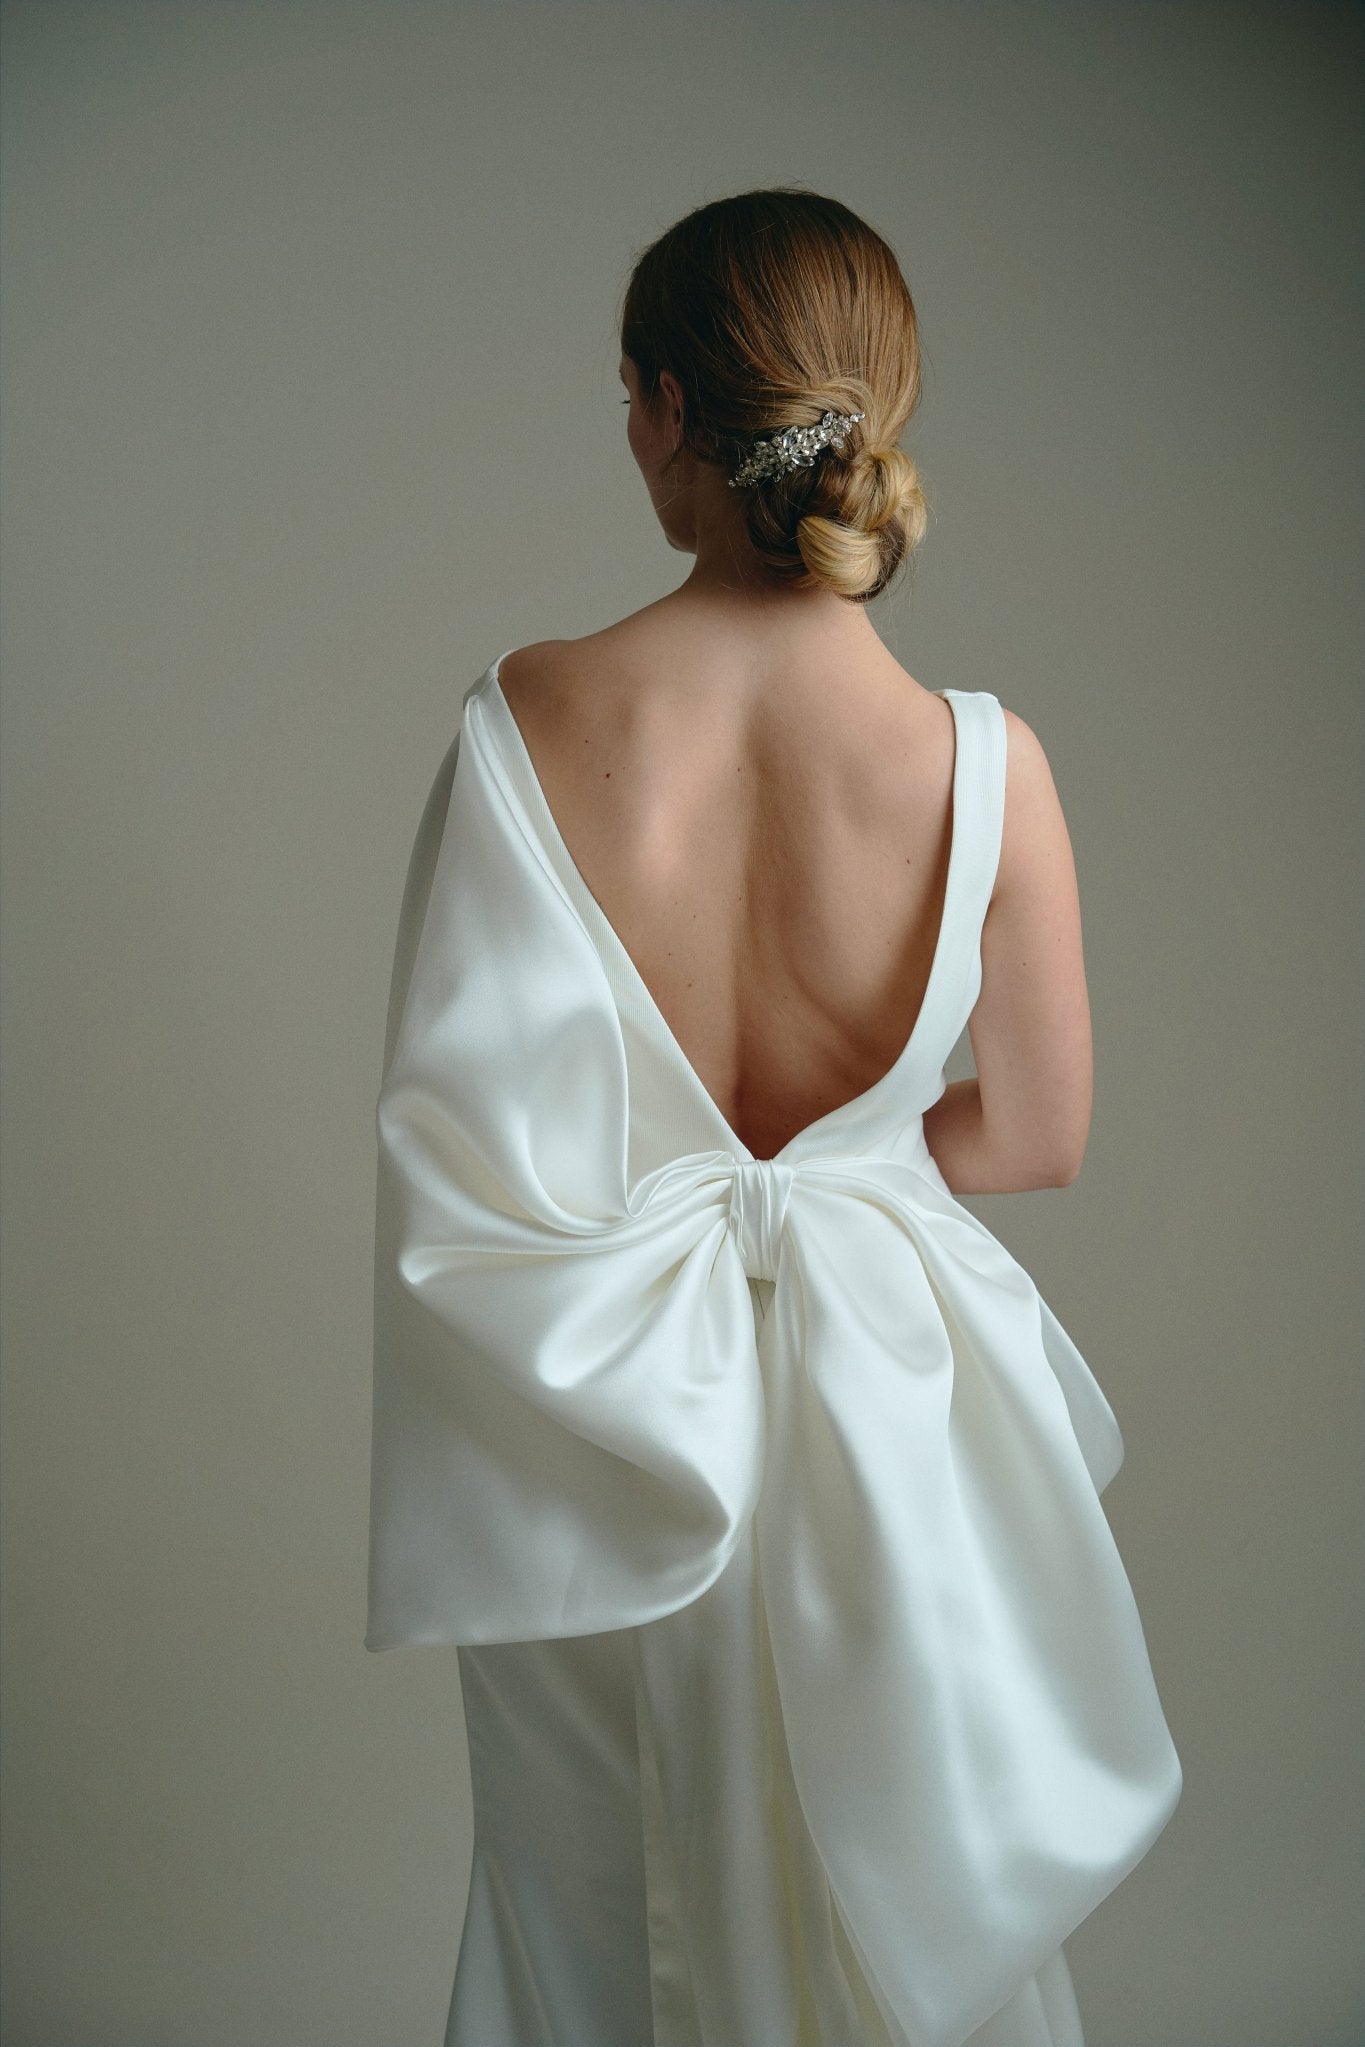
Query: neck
x=727, y=575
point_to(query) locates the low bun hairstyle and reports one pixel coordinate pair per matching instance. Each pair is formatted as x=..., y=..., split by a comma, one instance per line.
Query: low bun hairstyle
x=772, y=308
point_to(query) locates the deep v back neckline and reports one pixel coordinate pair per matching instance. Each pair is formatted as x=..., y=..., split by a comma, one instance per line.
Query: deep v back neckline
x=604, y=934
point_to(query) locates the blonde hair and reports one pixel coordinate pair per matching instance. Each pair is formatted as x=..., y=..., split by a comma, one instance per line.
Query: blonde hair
x=771, y=308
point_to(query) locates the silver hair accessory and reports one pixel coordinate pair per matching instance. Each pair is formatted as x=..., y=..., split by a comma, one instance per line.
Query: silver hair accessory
x=796, y=447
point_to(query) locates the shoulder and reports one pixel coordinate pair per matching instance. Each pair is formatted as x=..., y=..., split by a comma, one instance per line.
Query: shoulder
x=524, y=667
x=1028, y=773
x=652, y=633
x=550, y=677
x=1026, y=763
x=534, y=680
x=1035, y=846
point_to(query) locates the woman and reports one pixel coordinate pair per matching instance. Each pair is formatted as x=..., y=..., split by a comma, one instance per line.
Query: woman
x=806, y=1697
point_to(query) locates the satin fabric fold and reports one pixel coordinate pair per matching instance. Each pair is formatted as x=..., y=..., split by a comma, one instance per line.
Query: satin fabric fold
x=577, y=1419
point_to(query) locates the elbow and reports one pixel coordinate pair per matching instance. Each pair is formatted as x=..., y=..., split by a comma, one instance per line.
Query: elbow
x=1047, y=1152
x=1066, y=1166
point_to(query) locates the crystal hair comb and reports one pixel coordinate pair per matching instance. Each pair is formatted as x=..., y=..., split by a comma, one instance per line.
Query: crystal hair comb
x=796, y=447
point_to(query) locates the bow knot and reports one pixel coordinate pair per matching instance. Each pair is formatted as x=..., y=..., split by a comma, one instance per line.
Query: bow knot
x=758, y=1210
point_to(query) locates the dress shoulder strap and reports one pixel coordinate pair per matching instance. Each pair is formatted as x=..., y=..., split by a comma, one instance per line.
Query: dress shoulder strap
x=978, y=818
x=979, y=799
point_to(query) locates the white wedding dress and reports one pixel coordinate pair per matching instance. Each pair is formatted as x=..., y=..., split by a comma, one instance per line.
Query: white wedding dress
x=807, y=1701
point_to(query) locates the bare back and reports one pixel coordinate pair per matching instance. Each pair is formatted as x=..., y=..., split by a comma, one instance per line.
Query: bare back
x=768, y=839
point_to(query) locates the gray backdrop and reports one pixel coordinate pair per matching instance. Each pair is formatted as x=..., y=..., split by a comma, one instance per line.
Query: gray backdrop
x=309, y=410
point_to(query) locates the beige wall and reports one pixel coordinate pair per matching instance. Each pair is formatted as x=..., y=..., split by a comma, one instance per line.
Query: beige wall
x=309, y=410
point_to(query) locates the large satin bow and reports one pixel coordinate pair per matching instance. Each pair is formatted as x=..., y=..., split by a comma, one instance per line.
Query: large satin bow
x=971, y=1717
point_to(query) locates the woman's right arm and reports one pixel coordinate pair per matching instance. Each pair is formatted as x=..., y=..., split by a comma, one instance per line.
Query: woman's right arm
x=1024, y=1119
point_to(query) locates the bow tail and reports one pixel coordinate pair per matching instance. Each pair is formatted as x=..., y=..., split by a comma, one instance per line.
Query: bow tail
x=973, y=1725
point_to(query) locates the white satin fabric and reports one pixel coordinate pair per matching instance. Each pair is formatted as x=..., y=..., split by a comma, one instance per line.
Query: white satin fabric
x=807, y=1697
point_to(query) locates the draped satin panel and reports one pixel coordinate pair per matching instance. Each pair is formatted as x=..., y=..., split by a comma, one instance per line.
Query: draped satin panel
x=578, y=1417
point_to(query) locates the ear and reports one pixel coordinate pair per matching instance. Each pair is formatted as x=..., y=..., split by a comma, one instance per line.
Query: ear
x=672, y=393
